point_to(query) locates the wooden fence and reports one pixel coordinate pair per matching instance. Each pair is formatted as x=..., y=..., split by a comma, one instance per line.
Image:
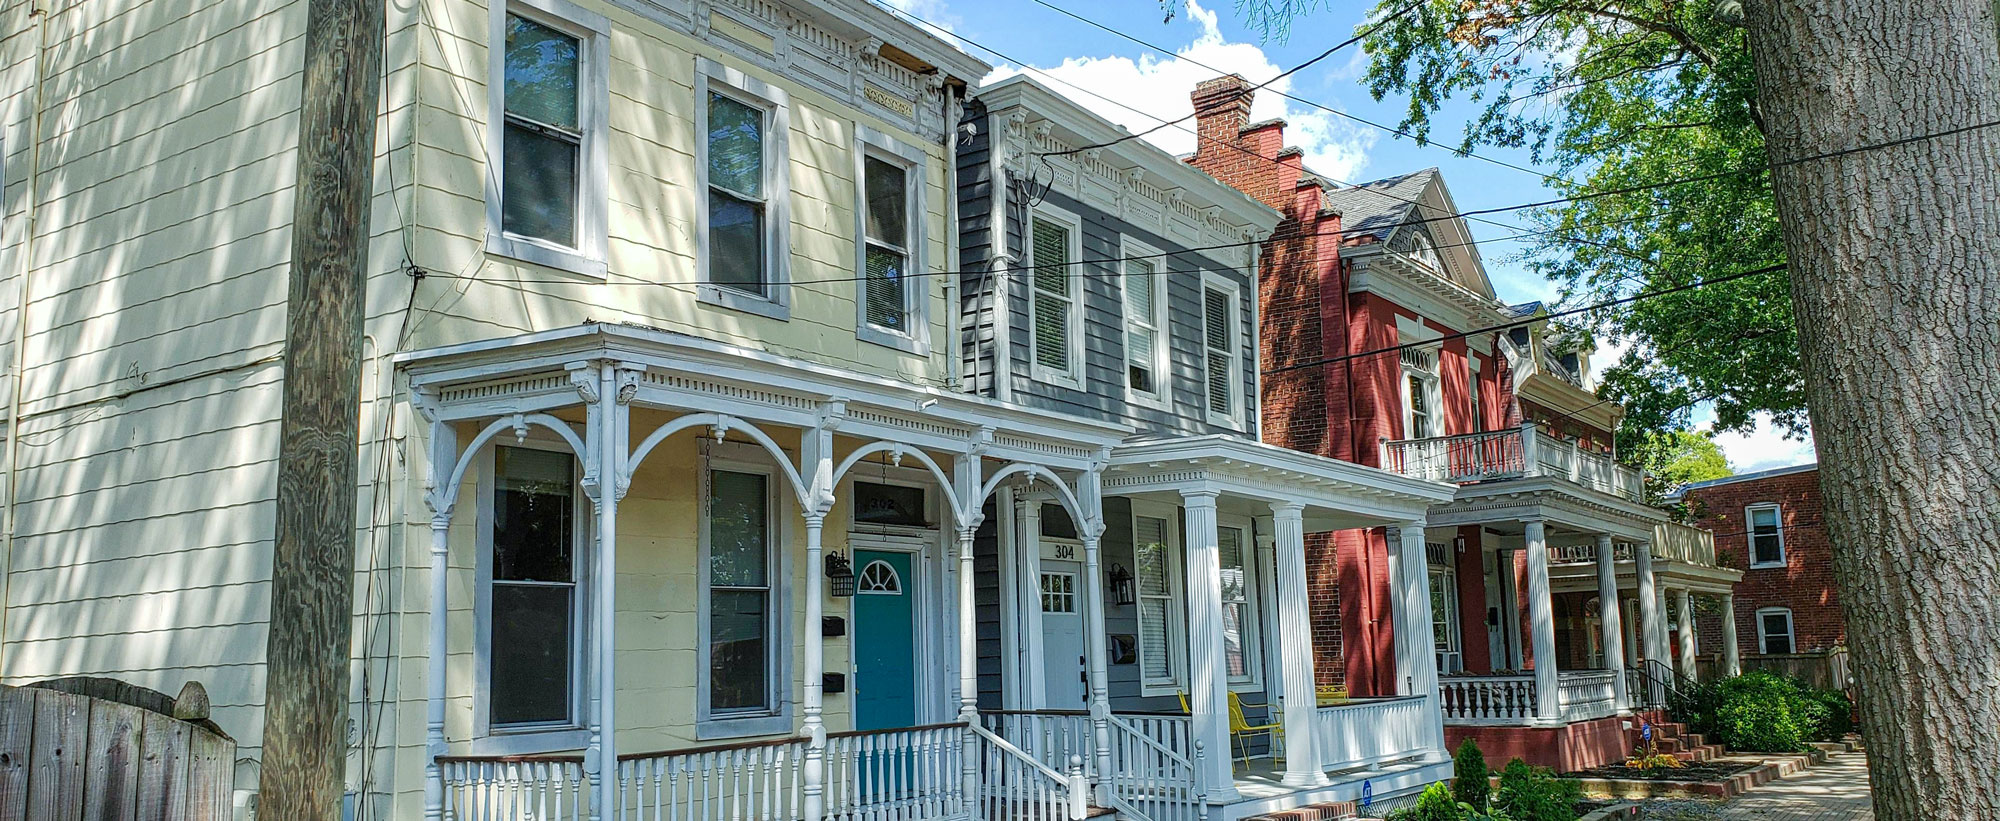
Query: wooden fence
x=1825, y=669
x=88, y=748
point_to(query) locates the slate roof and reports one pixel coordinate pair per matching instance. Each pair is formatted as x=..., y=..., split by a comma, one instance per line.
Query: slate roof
x=1377, y=208
x=1525, y=309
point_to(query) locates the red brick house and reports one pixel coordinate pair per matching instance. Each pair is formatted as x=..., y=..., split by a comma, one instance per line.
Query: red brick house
x=1769, y=524
x=1530, y=660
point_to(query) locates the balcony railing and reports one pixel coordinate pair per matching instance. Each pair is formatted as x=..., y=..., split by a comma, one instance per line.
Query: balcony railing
x=1671, y=543
x=1510, y=454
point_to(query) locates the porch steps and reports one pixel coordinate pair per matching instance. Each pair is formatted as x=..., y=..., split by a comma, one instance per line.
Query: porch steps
x=1330, y=811
x=1674, y=739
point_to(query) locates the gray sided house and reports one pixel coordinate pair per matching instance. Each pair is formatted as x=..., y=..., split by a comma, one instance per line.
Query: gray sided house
x=1100, y=305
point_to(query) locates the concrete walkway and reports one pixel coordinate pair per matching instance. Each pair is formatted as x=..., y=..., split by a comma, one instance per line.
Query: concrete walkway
x=1834, y=791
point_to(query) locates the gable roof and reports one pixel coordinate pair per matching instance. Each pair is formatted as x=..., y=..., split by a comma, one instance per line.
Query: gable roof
x=1375, y=209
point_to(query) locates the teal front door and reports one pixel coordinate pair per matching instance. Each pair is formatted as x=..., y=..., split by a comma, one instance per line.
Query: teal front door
x=885, y=641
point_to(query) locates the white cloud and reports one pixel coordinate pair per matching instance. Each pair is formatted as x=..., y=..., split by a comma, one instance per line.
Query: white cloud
x=1153, y=88
x=1763, y=448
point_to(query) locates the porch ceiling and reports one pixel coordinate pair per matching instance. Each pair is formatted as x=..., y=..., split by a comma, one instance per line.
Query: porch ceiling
x=1337, y=495
x=1569, y=511
x=530, y=373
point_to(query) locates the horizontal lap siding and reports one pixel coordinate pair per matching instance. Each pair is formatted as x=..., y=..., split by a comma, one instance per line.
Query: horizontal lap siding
x=975, y=238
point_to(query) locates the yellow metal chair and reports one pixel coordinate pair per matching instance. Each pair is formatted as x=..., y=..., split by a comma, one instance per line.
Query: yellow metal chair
x=1240, y=727
x=1329, y=695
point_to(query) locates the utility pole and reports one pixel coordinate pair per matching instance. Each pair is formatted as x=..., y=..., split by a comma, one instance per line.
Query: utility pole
x=312, y=570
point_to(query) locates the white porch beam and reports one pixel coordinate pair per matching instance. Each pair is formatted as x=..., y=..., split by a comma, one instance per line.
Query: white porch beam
x=1685, y=628
x=1732, y=661
x=1609, y=620
x=1542, y=620
x=1208, y=686
x=1297, y=693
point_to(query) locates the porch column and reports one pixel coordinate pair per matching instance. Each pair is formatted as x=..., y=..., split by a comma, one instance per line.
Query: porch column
x=816, y=457
x=608, y=429
x=1417, y=658
x=1652, y=631
x=1732, y=660
x=1208, y=686
x=1091, y=528
x=1609, y=620
x=1685, y=625
x=443, y=459
x=1028, y=540
x=1542, y=619
x=1297, y=693
x=971, y=498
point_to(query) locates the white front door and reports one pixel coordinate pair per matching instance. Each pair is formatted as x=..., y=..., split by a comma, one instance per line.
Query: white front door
x=1061, y=586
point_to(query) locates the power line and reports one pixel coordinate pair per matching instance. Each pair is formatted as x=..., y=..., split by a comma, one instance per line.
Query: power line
x=1531, y=320
x=1282, y=75
x=1301, y=100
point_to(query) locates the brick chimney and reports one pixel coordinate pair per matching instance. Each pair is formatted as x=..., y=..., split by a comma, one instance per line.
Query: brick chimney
x=1221, y=108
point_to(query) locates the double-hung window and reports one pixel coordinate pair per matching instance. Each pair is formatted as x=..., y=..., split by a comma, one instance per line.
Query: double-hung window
x=743, y=610
x=1054, y=312
x=1472, y=394
x=1767, y=536
x=1774, y=631
x=1420, y=394
x=742, y=125
x=1159, y=605
x=546, y=151
x=1145, y=323
x=532, y=596
x=1220, y=351
x=1444, y=619
x=890, y=242
x=1239, y=613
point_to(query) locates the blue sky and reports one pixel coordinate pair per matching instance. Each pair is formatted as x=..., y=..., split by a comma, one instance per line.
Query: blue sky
x=1138, y=87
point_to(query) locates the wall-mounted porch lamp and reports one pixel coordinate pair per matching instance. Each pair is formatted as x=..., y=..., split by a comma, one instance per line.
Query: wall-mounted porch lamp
x=840, y=574
x=1120, y=582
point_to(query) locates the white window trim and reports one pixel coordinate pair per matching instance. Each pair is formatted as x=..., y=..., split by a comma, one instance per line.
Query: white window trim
x=1073, y=281
x=1791, y=629
x=1162, y=396
x=869, y=142
x=593, y=33
x=533, y=738
x=1750, y=534
x=1444, y=578
x=1176, y=626
x=1472, y=392
x=1433, y=394
x=713, y=76
x=739, y=458
x=1253, y=623
x=1240, y=333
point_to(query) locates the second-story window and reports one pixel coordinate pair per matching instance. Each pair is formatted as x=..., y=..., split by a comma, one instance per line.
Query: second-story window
x=1420, y=394
x=1053, y=302
x=744, y=192
x=890, y=242
x=1472, y=395
x=546, y=154
x=1219, y=351
x=1145, y=342
x=1767, y=538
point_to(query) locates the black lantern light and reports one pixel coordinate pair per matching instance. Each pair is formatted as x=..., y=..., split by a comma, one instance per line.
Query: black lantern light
x=840, y=574
x=1120, y=582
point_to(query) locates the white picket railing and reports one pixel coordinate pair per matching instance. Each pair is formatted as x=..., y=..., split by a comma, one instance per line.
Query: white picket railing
x=1587, y=694
x=910, y=774
x=1676, y=542
x=1587, y=553
x=1367, y=732
x=550, y=788
x=1051, y=737
x=758, y=781
x=1013, y=786
x=1487, y=699
x=1156, y=768
x=1510, y=454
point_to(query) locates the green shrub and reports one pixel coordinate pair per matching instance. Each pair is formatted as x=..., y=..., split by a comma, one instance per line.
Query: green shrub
x=1763, y=712
x=1534, y=794
x=1838, y=720
x=1469, y=779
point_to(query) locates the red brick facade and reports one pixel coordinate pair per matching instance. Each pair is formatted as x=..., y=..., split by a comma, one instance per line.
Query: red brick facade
x=1804, y=585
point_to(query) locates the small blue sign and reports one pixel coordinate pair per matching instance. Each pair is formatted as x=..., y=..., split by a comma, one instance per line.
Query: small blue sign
x=1646, y=731
x=1367, y=793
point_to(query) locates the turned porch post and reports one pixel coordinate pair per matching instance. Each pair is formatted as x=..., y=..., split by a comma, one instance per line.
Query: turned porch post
x=816, y=456
x=1297, y=692
x=1542, y=620
x=1091, y=528
x=1208, y=686
x=443, y=460
x=608, y=438
x=1609, y=620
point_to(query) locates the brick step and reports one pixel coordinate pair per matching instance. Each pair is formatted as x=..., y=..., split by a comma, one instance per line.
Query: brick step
x=1330, y=811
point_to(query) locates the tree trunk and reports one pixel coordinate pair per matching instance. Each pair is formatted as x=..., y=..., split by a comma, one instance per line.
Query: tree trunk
x=1895, y=267
x=312, y=565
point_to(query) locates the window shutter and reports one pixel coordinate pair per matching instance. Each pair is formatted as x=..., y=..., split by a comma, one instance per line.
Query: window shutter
x=1215, y=334
x=1052, y=304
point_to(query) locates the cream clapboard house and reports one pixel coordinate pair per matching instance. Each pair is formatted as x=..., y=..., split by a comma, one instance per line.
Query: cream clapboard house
x=649, y=386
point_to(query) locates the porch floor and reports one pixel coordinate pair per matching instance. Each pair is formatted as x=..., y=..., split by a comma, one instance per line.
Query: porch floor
x=1261, y=788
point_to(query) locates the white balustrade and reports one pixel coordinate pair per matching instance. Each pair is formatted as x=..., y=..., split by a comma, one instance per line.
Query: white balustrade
x=1680, y=543
x=1510, y=454
x=905, y=775
x=1367, y=732
x=751, y=782
x=1155, y=768
x=1588, y=694
x=1048, y=736
x=1487, y=699
x=1013, y=786
x=515, y=789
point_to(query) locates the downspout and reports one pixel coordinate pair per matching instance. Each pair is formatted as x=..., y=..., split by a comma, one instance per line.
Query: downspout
x=999, y=260
x=954, y=344
x=38, y=14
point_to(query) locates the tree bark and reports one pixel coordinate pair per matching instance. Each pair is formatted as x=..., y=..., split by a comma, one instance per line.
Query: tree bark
x=312, y=567
x=1895, y=268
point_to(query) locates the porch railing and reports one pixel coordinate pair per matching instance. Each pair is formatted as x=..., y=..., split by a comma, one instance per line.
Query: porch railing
x=1154, y=759
x=1587, y=553
x=1487, y=699
x=1509, y=454
x=757, y=781
x=1587, y=694
x=1365, y=733
x=511, y=788
x=1013, y=786
x=1676, y=542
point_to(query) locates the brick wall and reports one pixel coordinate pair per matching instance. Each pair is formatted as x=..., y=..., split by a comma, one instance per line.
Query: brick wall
x=1805, y=584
